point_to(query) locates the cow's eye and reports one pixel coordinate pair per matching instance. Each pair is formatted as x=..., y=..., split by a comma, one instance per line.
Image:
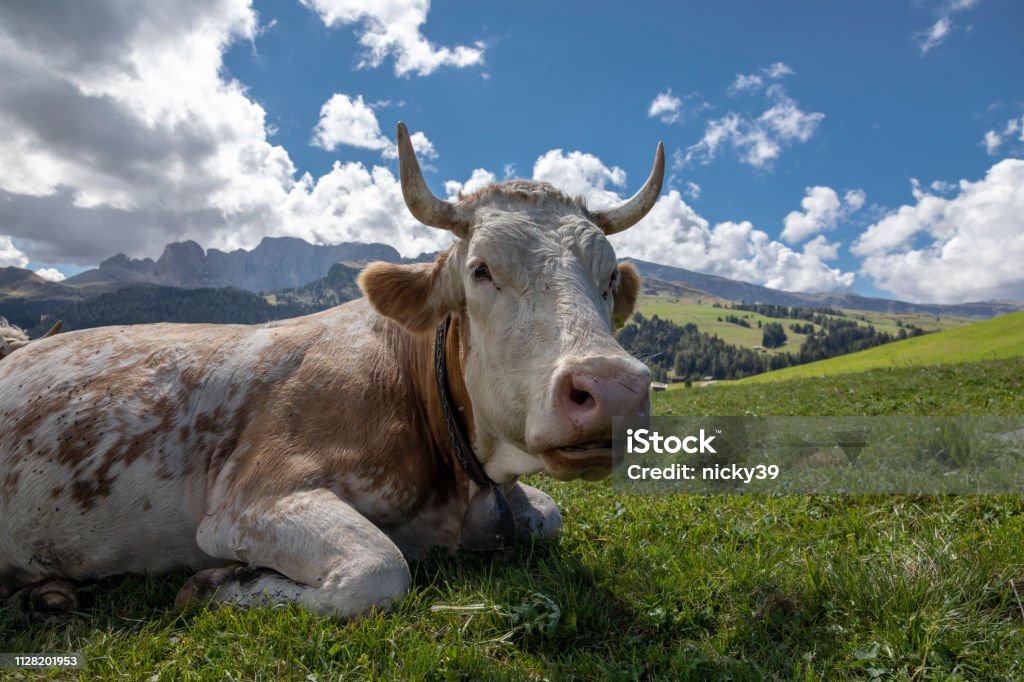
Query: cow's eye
x=482, y=274
x=612, y=283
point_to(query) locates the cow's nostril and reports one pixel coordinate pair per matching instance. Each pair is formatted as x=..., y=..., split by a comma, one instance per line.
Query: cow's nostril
x=579, y=397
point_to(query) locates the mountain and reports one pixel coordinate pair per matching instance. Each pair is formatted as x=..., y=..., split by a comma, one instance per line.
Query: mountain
x=143, y=303
x=276, y=263
x=18, y=283
x=734, y=290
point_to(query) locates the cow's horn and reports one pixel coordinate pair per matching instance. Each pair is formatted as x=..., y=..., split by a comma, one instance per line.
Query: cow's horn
x=626, y=215
x=55, y=329
x=423, y=205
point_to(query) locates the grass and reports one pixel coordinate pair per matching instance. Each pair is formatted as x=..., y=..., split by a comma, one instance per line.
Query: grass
x=648, y=587
x=701, y=312
x=1000, y=337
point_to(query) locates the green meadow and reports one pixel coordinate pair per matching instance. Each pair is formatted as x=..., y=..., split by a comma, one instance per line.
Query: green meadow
x=1000, y=337
x=701, y=311
x=645, y=587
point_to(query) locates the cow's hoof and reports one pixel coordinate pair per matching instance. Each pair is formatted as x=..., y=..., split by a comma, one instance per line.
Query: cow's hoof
x=47, y=600
x=204, y=585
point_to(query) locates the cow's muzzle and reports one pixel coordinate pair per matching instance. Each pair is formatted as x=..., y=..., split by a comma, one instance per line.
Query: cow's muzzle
x=575, y=439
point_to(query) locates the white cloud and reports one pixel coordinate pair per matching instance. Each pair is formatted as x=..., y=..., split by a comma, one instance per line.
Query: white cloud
x=822, y=210
x=854, y=199
x=582, y=174
x=943, y=27
x=778, y=70
x=666, y=107
x=423, y=147
x=789, y=122
x=1013, y=131
x=674, y=234
x=948, y=250
x=692, y=190
x=746, y=82
x=755, y=141
x=51, y=274
x=393, y=28
x=752, y=82
x=352, y=122
x=123, y=133
x=934, y=36
x=479, y=178
x=348, y=121
x=10, y=255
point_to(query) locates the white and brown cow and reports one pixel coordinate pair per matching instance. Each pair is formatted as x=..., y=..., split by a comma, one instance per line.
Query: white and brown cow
x=304, y=461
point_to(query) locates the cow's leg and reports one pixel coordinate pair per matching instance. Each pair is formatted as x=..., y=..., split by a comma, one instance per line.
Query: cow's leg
x=322, y=552
x=536, y=514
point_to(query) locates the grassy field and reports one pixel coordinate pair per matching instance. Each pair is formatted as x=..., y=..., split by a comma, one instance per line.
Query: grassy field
x=700, y=310
x=1000, y=337
x=648, y=587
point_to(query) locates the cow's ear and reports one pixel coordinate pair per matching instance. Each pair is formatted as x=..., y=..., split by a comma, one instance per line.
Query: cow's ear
x=412, y=295
x=626, y=295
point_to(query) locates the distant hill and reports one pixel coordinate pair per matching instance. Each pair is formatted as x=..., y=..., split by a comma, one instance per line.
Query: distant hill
x=20, y=283
x=1001, y=337
x=734, y=290
x=147, y=303
x=276, y=263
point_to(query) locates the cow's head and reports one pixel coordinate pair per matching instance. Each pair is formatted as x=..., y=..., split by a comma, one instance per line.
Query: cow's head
x=537, y=286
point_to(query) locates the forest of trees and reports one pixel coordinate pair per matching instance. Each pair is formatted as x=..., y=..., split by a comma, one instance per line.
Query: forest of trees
x=683, y=351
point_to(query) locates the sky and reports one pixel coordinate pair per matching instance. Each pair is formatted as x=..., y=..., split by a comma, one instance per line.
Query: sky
x=868, y=147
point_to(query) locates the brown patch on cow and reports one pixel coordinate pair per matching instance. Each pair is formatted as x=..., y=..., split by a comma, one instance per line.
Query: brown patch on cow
x=378, y=429
x=412, y=295
x=626, y=295
x=57, y=491
x=146, y=504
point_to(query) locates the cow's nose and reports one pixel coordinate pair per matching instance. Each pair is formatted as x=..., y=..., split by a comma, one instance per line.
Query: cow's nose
x=591, y=392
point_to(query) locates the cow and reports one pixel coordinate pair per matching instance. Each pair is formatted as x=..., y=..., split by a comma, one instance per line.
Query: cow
x=307, y=461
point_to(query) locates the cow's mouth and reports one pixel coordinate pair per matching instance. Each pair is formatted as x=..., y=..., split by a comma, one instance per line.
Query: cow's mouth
x=590, y=461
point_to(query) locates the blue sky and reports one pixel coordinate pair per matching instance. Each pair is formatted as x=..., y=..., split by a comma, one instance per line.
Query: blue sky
x=813, y=146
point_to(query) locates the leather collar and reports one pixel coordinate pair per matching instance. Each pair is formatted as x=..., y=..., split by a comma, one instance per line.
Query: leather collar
x=488, y=523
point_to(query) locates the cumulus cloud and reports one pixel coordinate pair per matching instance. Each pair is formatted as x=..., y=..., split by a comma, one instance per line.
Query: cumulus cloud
x=822, y=210
x=10, y=255
x=965, y=247
x=674, y=234
x=692, y=190
x=51, y=274
x=579, y=174
x=665, y=107
x=394, y=29
x=352, y=122
x=479, y=178
x=348, y=121
x=756, y=141
x=123, y=132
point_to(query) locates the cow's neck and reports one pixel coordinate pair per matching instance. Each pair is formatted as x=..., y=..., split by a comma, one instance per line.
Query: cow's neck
x=425, y=387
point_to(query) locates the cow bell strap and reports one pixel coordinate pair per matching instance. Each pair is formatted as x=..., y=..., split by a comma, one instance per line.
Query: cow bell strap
x=489, y=524
x=456, y=433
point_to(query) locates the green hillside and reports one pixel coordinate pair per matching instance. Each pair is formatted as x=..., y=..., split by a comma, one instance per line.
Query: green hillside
x=1000, y=337
x=699, y=308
